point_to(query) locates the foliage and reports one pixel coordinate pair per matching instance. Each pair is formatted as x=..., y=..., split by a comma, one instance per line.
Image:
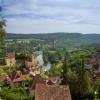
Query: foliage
x=65, y=70
x=59, y=40
x=97, y=86
x=78, y=79
x=70, y=66
x=2, y=24
x=29, y=79
x=15, y=94
x=54, y=70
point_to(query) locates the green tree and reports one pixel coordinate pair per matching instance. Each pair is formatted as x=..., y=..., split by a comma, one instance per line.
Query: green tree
x=84, y=84
x=19, y=93
x=2, y=24
x=65, y=70
x=2, y=32
x=97, y=88
x=78, y=79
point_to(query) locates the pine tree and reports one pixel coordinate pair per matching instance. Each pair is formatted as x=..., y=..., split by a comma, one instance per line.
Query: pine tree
x=65, y=69
x=84, y=83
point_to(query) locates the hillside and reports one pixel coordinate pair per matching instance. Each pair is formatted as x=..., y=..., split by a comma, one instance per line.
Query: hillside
x=61, y=39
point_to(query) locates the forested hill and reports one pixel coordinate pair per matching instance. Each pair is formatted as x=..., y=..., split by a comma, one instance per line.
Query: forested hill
x=73, y=39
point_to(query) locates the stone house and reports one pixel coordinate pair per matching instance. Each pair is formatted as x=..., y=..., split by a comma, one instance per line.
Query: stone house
x=10, y=59
x=19, y=79
x=5, y=78
x=33, y=66
x=30, y=62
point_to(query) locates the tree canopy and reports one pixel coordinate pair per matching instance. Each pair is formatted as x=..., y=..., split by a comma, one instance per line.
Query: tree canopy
x=2, y=24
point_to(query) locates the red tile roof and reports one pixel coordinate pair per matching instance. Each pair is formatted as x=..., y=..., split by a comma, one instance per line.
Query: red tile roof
x=21, y=78
x=52, y=92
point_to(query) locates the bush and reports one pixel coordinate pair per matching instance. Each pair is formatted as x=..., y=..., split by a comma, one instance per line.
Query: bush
x=15, y=94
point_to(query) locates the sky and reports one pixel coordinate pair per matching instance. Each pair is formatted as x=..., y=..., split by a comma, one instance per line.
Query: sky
x=47, y=16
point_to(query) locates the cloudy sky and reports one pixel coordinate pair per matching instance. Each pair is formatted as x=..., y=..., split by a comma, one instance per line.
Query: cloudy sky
x=41, y=16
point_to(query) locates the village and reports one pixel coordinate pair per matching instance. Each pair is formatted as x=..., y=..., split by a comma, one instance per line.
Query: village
x=49, y=50
x=43, y=88
x=25, y=71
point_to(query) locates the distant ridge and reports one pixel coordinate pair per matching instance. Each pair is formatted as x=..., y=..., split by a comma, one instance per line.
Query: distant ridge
x=72, y=39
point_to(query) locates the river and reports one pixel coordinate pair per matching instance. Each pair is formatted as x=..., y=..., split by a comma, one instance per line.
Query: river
x=39, y=55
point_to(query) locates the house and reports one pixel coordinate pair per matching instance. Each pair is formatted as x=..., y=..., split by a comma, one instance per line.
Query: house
x=33, y=66
x=54, y=79
x=35, y=69
x=52, y=92
x=5, y=78
x=30, y=61
x=10, y=59
x=20, y=81
x=20, y=78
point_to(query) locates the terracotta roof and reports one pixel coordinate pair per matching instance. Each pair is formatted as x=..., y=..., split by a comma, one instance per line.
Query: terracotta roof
x=52, y=92
x=21, y=78
x=49, y=82
x=55, y=79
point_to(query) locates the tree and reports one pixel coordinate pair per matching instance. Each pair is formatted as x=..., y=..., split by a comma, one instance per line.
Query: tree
x=77, y=79
x=65, y=70
x=2, y=32
x=2, y=24
x=20, y=93
x=97, y=88
x=84, y=84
